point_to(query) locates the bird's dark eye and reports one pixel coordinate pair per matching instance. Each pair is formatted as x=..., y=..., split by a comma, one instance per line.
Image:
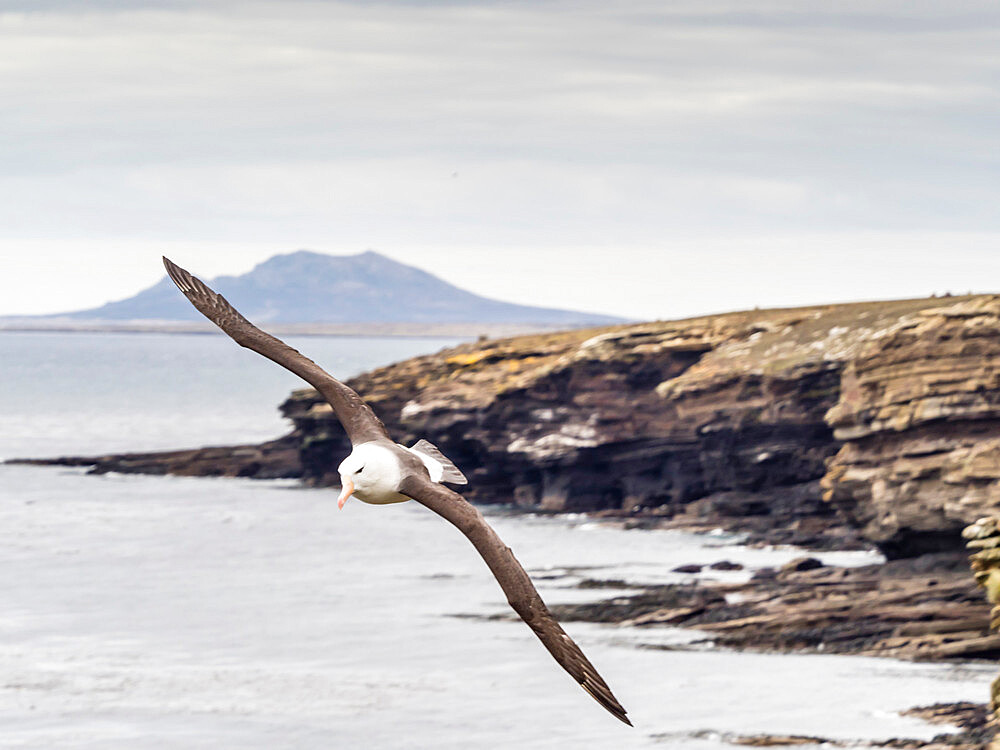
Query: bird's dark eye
x=360, y=470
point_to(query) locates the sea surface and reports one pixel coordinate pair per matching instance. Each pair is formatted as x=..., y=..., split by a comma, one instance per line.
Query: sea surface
x=160, y=612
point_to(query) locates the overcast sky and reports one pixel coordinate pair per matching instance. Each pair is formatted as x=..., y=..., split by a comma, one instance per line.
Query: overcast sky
x=648, y=159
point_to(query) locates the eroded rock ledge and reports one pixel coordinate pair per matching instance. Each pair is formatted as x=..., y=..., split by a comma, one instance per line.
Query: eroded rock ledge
x=888, y=412
x=894, y=407
x=919, y=419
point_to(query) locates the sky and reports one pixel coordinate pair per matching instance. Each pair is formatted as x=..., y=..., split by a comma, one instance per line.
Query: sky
x=646, y=159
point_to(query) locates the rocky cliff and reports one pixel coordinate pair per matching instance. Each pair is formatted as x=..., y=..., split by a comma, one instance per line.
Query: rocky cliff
x=883, y=414
x=894, y=407
x=919, y=423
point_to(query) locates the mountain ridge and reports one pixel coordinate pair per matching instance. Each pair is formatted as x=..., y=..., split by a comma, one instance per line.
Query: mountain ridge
x=304, y=286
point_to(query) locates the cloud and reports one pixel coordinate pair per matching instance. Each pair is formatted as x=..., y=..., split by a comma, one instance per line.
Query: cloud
x=567, y=124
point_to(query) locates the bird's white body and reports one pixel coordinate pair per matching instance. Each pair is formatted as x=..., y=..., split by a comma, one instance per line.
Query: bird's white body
x=375, y=471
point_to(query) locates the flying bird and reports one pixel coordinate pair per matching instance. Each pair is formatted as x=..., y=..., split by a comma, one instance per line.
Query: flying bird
x=381, y=471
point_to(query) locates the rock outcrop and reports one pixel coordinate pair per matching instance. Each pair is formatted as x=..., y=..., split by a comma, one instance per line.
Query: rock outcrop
x=984, y=541
x=776, y=422
x=579, y=421
x=919, y=420
x=276, y=459
x=894, y=406
x=926, y=608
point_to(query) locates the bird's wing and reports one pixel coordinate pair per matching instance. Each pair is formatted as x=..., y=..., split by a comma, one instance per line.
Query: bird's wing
x=516, y=584
x=358, y=419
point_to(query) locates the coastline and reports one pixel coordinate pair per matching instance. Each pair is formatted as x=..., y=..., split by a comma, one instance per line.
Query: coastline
x=925, y=609
x=921, y=609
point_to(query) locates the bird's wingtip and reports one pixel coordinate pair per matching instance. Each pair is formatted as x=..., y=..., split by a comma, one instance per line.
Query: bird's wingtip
x=178, y=275
x=609, y=702
x=170, y=266
x=621, y=714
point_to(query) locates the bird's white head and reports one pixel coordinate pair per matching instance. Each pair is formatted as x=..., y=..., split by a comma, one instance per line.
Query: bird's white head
x=372, y=474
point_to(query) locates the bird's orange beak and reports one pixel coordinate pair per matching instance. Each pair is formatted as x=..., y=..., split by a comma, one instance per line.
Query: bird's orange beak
x=345, y=493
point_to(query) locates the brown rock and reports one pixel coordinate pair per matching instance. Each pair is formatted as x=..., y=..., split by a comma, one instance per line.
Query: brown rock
x=277, y=459
x=919, y=415
x=725, y=565
x=924, y=609
x=800, y=564
x=692, y=568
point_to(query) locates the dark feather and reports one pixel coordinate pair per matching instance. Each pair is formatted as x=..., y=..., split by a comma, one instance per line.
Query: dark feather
x=359, y=421
x=521, y=593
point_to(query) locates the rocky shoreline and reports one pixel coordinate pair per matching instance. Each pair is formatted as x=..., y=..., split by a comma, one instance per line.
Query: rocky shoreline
x=924, y=609
x=971, y=718
x=275, y=459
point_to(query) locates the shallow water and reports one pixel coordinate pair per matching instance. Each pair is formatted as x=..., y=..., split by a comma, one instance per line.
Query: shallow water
x=161, y=612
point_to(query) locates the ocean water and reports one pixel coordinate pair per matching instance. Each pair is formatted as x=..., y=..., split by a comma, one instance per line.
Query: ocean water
x=159, y=612
x=88, y=393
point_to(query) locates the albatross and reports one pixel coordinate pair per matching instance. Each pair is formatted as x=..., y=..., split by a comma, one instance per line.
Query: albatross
x=381, y=471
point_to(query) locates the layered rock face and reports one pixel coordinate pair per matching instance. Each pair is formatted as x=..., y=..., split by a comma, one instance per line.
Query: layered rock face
x=919, y=419
x=900, y=398
x=584, y=422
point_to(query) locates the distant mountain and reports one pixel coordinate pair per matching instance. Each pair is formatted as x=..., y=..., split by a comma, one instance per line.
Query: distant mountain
x=308, y=287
